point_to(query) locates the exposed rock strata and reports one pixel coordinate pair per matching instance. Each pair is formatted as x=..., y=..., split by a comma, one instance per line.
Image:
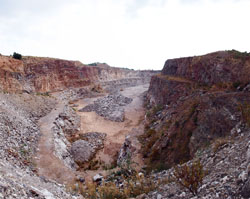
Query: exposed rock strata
x=34, y=74
x=226, y=168
x=194, y=101
x=219, y=67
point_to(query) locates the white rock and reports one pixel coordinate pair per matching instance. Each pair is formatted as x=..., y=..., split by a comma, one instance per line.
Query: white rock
x=183, y=194
x=243, y=176
x=159, y=196
x=97, y=177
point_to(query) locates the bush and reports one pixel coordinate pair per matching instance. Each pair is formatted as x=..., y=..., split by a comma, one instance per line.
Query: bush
x=135, y=185
x=190, y=176
x=17, y=56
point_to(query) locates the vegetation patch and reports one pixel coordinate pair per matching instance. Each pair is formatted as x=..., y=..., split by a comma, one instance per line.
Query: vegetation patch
x=190, y=176
x=220, y=143
x=239, y=55
x=45, y=94
x=133, y=186
x=17, y=56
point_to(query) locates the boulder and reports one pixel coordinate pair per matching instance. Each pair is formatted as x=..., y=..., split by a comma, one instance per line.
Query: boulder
x=82, y=151
x=97, y=178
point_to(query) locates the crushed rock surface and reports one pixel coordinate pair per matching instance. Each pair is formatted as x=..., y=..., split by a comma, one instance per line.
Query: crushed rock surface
x=109, y=107
x=227, y=173
x=19, y=134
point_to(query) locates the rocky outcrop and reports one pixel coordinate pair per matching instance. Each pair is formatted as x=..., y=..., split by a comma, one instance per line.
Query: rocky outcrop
x=225, y=167
x=219, y=67
x=109, y=107
x=245, y=176
x=67, y=125
x=34, y=74
x=194, y=101
x=125, y=152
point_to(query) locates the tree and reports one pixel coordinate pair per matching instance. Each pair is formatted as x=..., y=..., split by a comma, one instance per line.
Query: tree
x=17, y=56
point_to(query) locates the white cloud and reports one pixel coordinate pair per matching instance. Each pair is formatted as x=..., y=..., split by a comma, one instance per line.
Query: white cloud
x=124, y=33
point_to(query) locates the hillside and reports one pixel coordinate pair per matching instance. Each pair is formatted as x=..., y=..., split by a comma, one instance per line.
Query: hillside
x=195, y=104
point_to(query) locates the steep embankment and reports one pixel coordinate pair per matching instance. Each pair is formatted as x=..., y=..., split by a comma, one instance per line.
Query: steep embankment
x=19, y=135
x=36, y=74
x=194, y=101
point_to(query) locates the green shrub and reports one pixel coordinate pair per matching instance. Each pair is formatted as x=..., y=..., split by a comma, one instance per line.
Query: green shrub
x=17, y=56
x=236, y=84
x=240, y=55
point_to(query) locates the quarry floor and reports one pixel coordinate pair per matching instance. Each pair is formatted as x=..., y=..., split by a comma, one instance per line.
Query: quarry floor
x=53, y=168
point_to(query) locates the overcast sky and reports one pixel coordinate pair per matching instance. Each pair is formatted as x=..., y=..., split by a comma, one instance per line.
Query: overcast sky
x=140, y=34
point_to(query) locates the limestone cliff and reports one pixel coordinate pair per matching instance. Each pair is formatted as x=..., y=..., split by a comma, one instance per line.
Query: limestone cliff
x=48, y=74
x=194, y=101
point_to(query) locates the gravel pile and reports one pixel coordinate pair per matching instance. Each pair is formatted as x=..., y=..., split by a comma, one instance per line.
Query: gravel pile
x=19, y=136
x=109, y=107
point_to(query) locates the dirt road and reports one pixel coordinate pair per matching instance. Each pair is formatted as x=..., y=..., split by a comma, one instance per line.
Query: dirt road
x=116, y=131
x=50, y=166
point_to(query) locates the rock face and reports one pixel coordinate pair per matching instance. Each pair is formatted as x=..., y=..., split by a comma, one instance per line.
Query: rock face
x=224, y=168
x=67, y=124
x=34, y=74
x=125, y=152
x=225, y=66
x=110, y=107
x=194, y=101
x=245, y=178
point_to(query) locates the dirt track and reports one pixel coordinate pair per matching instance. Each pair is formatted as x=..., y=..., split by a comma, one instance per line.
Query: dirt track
x=50, y=166
x=116, y=131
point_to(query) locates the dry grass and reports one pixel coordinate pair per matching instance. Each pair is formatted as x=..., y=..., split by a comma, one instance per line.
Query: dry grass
x=133, y=186
x=220, y=142
x=175, y=78
x=190, y=176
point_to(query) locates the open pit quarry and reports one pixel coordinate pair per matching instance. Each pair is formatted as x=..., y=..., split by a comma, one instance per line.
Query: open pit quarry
x=70, y=130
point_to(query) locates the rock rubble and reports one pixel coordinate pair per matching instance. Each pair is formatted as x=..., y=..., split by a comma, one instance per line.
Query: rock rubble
x=109, y=107
x=83, y=150
x=66, y=125
x=19, y=136
x=226, y=177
